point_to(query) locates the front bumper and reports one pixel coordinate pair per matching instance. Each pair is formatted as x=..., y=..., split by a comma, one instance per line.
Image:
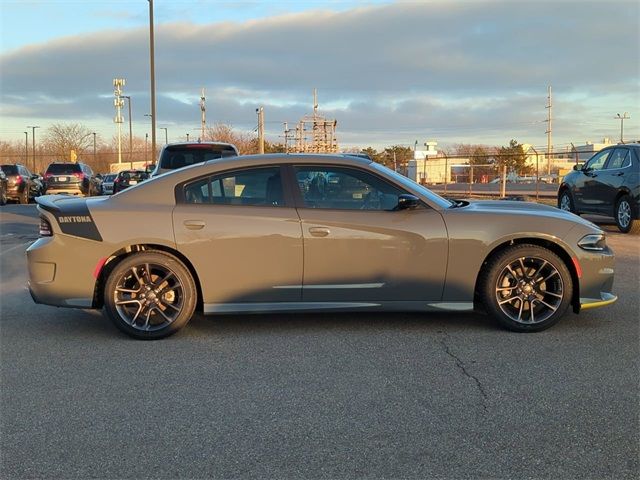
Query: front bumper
x=596, y=282
x=605, y=299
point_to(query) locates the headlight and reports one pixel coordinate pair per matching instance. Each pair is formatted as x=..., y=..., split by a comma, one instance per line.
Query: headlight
x=595, y=242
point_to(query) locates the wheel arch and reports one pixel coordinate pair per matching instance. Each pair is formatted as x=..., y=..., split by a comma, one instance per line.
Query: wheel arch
x=554, y=247
x=118, y=256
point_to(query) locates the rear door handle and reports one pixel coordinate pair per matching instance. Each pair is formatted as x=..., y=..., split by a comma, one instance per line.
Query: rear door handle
x=194, y=224
x=619, y=174
x=319, y=231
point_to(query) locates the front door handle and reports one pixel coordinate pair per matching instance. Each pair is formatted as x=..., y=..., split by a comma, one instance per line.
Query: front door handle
x=194, y=224
x=319, y=231
x=619, y=174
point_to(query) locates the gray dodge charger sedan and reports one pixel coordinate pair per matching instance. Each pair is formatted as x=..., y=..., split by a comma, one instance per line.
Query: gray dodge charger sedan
x=281, y=233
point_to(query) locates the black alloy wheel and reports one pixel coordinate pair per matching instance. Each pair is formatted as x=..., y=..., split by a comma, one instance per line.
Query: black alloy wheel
x=527, y=288
x=150, y=295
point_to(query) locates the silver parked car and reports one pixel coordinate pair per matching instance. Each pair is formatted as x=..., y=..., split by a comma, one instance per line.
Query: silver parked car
x=280, y=233
x=107, y=183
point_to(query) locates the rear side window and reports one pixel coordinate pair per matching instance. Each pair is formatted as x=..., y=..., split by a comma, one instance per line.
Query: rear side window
x=619, y=159
x=64, y=168
x=183, y=155
x=10, y=169
x=255, y=187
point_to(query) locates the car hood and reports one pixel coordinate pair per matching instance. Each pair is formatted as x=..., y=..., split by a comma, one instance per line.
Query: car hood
x=505, y=207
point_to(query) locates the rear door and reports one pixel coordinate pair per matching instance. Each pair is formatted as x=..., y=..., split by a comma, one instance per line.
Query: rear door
x=357, y=248
x=242, y=234
x=613, y=176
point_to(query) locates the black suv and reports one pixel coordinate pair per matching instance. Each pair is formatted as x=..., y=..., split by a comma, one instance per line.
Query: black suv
x=178, y=155
x=128, y=178
x=608, y=184
x=71, y=178
x=22, y=185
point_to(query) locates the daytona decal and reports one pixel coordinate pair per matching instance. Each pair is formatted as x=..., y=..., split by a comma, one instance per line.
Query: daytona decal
x=74, y=218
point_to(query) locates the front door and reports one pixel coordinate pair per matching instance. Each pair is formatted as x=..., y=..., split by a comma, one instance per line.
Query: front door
x=358, y=249
x=243, y=238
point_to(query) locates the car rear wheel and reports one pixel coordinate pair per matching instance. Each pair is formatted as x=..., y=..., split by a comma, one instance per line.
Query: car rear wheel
x=3, y=197
x=624, y=216
x=150, y=295
x=526, y=288
x=565, y=202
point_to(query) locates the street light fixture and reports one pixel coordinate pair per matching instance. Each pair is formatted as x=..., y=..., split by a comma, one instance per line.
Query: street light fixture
x=166, y=135
x=33, y=144
x=153, y=78
x=26, y=147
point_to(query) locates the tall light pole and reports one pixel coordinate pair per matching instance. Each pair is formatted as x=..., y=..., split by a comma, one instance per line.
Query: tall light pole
x=146, y=141
x=187, y=136
x=118, y=83
x=26, y=147
x=622, y=118
x=166, y=135
x=153, y=78
x=94, y=147
x=128, y=97
x=33, y=144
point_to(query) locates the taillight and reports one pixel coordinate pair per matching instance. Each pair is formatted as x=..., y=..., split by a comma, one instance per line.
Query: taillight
x=45, y=228
x=79, y=176
x=18, y=179
x=47, y=176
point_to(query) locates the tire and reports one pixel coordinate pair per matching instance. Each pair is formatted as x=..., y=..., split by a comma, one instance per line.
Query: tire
x=24, y=196
x=624, y=216
x=130, y=295
x=3, y=197
x=526, y=288
x=565, y=202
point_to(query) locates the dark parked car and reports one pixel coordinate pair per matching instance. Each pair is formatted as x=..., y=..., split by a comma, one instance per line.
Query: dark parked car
x=128, y=178
x=107, y=184
x=22, y=185
x=72, y=179
x=178, y=155
x=3, y=188
x=608, y=184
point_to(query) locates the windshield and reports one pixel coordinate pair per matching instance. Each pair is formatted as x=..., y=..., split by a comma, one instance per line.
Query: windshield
x=63, y=168
x=179, y=156
x=416, y=187
x=10, y=169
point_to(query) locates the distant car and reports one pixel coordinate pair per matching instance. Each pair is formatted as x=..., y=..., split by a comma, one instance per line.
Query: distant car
x=128, y=178
x=241, y=235
x=178, y=155
x=107, y=183
x=3, y=188
x=607, y=184
x=22, y=185
x=71, y=179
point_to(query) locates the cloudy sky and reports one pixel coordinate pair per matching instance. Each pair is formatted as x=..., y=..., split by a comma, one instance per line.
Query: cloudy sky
x=389, y=72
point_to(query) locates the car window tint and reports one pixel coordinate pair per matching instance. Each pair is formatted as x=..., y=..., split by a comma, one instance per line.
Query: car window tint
x=345, y=189
x=10, y=169
x=619, y=159
x=63, y=168
x=597, y=162
x=256, y=187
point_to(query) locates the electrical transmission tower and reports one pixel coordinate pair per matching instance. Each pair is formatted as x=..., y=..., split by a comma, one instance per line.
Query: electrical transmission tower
x=314, y=133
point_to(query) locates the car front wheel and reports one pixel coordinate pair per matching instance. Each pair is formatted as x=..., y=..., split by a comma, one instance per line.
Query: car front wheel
x=565, y=202
x=624, y=216
x=526, y=288
x=150, y=295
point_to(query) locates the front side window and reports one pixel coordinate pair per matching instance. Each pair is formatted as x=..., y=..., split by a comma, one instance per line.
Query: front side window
x=345, y=189
x=255, y=187
x=619, y=159
x=597, y=162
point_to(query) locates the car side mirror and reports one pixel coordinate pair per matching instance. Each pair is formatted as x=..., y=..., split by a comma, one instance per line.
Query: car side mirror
x=407, y=202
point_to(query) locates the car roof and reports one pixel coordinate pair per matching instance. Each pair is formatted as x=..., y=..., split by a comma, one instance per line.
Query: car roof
x=303, y=158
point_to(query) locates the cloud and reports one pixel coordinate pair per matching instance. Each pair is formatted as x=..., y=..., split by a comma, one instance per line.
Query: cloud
x=440, y=67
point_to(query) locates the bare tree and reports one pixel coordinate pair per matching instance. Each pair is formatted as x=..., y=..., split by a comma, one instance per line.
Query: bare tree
x=61, y=138
x=246, y=142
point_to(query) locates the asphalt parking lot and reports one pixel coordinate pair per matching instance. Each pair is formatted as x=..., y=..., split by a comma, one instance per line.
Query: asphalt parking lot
x=316, y=396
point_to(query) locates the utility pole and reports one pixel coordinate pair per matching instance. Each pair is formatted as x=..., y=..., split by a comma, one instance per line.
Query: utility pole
x=622, y=118
x=153, y=79
x=187, y=136
x=118, y=83
x=26, y=147
x=548, y=132
x=260, y=112
x=203, y=112
x=33, y=144
x=128, y=97
x=94, y=147
x=286, y=138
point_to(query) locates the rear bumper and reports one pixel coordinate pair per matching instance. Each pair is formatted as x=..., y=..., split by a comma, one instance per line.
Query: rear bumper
x=65, y=191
